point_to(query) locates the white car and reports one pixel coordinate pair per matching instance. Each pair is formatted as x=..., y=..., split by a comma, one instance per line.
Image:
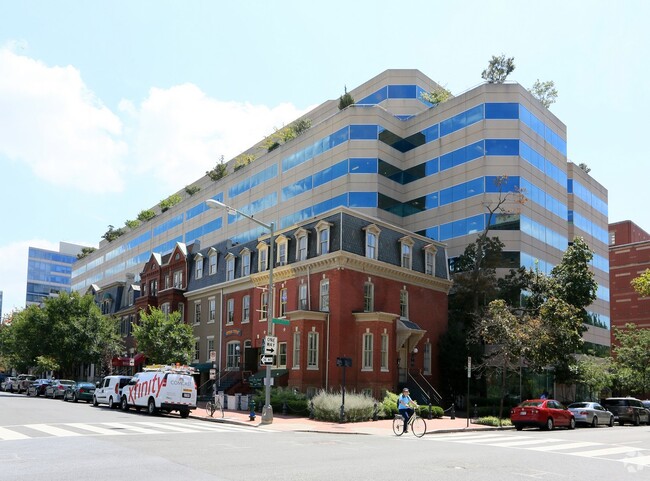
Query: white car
x=591, y=413
x=109, y=390
x=164, y=388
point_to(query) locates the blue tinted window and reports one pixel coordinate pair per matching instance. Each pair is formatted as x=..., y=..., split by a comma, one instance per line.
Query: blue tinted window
x=431, y=201
x=461, y=120
x=167, y=246
x=206, y=228
x=165, y=226
x=363, y=132
x=502, y=147
x=363, y=199
x=431, y=133
x=375, y=98
x=296, y=188
x=501, y=111
x=499, y=184
x=363, y=166
x=330, y=173
x=402, y=92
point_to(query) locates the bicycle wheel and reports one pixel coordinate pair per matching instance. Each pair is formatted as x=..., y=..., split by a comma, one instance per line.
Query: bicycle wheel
x=398, y=425
x=218, y=407
x=210, y=408
x=418, y=426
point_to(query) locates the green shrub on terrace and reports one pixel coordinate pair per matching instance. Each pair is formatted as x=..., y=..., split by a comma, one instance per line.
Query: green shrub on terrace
x=493, y=421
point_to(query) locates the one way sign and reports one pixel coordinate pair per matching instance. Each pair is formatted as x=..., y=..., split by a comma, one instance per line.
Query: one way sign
x=270, y=344
x=266, y=360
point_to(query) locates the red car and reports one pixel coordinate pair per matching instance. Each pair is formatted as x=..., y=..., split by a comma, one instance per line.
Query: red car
x=542, y=413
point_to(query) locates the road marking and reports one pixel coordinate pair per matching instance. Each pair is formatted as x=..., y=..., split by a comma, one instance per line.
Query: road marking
x=562, y=447
x=52, y=430
x=526, y=442
x=608, y=451
x=169, y=426
x=96, y=429
x=641, y=460
x=132, y=427
x=9, y=435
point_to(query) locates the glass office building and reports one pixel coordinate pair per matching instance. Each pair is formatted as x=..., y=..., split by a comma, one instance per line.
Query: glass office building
x=49, y=272
x=433, y=170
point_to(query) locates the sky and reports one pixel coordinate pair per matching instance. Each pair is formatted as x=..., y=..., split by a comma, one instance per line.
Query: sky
x=109, y=107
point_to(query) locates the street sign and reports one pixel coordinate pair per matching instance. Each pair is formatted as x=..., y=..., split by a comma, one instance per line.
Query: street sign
x=213, y=374
x=284, y=322
x=266, y=360
x=270, y=344
x=344, y=361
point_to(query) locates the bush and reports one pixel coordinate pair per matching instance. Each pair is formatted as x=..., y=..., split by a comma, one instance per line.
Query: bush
x=358, y=407
x=493, y=421
x=296, y=402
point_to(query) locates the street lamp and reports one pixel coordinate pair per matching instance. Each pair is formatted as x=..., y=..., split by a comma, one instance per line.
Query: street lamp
x=267, y=410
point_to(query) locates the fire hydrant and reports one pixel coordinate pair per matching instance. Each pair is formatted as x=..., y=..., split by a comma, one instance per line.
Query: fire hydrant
x=251, y=416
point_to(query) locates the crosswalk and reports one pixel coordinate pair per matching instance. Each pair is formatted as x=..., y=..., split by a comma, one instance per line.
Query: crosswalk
x=634, y=457
x=61, y=430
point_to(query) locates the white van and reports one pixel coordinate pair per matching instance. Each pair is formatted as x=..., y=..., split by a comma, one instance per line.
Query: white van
x=165, y=388
x=109, y=390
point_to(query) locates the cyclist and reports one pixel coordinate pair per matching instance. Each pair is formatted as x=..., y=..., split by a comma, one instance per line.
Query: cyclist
x=405, y=406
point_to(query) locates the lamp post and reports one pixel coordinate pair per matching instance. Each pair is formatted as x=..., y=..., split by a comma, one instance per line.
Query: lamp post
x=267, y=410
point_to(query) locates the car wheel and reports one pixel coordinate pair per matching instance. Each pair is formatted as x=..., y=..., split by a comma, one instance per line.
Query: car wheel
x=110, y=403
x=611, y=422
x=594, y=422
x=549, y=424
x=572, y=423
x=621, y=422
x=185, y=412
x=518, y=427
x=124, y=404
x=151, y=406
x=637, y=420
x=95, y=403
x=74, y=397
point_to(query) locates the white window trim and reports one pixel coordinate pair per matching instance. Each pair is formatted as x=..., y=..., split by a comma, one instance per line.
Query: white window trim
x=430, y=250
x=295, y=351
x=198, y=266
x=230, y=303
x=281, y=242
x=194, y=321
x=320, y=227
x=311, y=335
x=384, y=349
x=406, y=241
x=262, y=247
x=212, y=314
x=375, y=231
x=301, y=235
x=365, y=367
x=245, y=318
x=321, y=308
x=230, y=273
x=245, y=255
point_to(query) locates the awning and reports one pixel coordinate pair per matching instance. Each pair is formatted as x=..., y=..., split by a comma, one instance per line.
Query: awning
x=128, y=361
x=202, y=366
x=408, y=331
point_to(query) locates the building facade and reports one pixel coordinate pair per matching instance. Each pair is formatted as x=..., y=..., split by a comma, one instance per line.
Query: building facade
x=49, y=272
x=429, y=170
x=629, y=257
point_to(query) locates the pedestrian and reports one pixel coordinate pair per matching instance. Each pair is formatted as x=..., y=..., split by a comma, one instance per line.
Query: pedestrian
x=405, y=407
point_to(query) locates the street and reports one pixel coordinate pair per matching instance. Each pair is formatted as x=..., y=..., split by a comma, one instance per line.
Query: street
x=54, y=440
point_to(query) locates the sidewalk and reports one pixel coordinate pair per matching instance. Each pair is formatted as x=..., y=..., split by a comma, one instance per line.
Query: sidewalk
x=383, y=427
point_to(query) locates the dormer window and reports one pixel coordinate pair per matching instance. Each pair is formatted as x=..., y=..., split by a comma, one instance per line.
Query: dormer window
x=245, y=262
x=212, y=261
x=230, y=267
x=430, y=260
x=406, y=244
x=263, y=256
x=198, y=266
x=323, y=231
x=372, y=241
x=282, y=246
x=301, y=244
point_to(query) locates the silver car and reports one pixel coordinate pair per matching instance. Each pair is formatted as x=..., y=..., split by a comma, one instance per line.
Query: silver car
x=591, y=413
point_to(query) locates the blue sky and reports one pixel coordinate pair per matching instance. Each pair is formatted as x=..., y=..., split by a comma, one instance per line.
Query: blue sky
x=106, y=108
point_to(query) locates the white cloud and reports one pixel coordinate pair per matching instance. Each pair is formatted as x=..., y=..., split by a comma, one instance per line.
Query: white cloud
x=13, y=271
x=179, y=133
x=53, y=123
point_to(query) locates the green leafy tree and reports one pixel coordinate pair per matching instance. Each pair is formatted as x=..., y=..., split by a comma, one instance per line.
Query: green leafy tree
x=146, y=215
x=192, y=189
x=170, y=202
x=243, y=160
x=632, y=358
x=596, y=374
x=545, y=92
x=85, y=251
x=163, y=338
x=132, y=224
x=641, y=284
x=346, y=99
x=112, y=233
x=498, y=69
x=219, y=172
x=437, y=96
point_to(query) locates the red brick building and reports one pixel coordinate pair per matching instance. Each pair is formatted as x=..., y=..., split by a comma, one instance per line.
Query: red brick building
x=629, y=256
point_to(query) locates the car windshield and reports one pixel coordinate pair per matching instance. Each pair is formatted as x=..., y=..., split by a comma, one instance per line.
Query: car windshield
x=530, y=404
x=578, y=405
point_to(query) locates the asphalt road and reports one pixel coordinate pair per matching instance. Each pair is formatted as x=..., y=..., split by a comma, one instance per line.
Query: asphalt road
x=52, y=440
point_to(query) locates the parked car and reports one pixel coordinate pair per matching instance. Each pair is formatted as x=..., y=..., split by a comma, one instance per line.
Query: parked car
x=23, y=381
x=8, y=384
x=57, y=387
x=627, y=410
x=37, y=388
x=646, y=404
x=79, y=391
x=109, y=390
x=542, y=413
x=591, y=413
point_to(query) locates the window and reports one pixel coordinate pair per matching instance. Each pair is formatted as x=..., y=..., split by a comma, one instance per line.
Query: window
x=212, y=309
x=165, y=308
x=323, y=230
x=212, y=262
x=427, y=358
x=264, y=305
x=210, y=347
x=197, y=312
x=283, y=302
x=368, y=297
x=281, y=242
x=178, y=279
x=407, y=252
x=325, y=295
x=302, y=297
x=263, y=251
x=430, y=260
x=295, y=362
x=198, y=266
x=301, y=244
x=384, y=352
x=144, y=288
x=372, y=241
x=181, y=311
x=232, y=355
x=197, y=349
x=612, y=238
x=230, y=267
x=246, y=309
x=230, y=311
x=367, y=352
x=404, y=304
x=168, y=282
x=245, y=262
x=312, y=350
x=282, y=354
x=130, y=297
x=153, y=287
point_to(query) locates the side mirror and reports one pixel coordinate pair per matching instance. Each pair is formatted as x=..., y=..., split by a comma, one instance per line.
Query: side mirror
x=97, y=384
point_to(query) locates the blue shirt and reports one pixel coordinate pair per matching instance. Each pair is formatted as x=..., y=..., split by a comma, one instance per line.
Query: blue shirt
x=404, y=401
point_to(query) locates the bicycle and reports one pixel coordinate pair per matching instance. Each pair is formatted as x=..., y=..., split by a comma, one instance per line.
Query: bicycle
x=213, y=406
x=418, y=425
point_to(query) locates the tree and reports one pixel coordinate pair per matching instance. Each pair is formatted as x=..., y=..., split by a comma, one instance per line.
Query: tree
x=112, y=233
x=632, y=358
x=595, y=373
x=345, y=99
x=498, y=69
x=146, y=215
x=192, y=189
x=641, y=284
x=170, y=202
x=85, y=251
x=437, y=96
x=163, y=338
x=584, y=167
x=545, y=92
x=219, y=172
x=243, y=160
